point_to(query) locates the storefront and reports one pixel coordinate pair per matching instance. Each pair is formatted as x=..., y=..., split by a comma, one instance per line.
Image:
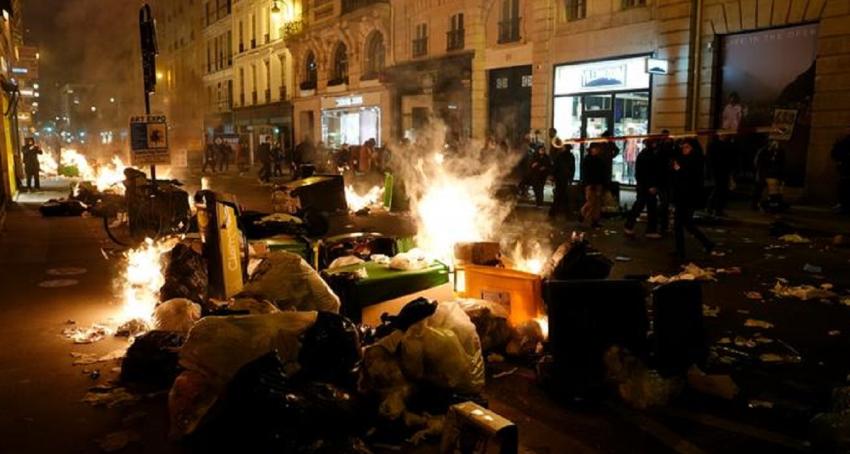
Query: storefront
x=351, y=119
x=612, y=96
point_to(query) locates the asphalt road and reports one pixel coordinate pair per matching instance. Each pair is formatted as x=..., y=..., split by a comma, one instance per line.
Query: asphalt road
x=40, y=391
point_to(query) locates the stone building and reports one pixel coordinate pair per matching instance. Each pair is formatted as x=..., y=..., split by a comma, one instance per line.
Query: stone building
x=217, y=49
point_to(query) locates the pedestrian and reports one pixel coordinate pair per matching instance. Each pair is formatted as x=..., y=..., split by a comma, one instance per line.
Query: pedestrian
x=223, y=153
x=541, y=167
x=595, y=174
x=277, y=159
x=687, y=191
x=563, y=173
x=264, y=155
x=666, y=149
x=646, y=191
x=841, y=156
x=721, y=158
x=209, y=157
x=366, y=156
x=770, y=175
x=31, y=151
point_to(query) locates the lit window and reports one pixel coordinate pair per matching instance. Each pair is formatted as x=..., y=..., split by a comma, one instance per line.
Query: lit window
x=576, y=9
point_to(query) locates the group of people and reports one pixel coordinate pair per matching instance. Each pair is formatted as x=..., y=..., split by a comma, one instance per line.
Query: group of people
x=217, y=156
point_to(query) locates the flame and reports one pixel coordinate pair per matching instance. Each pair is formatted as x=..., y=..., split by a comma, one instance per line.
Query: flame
x=357, y=202
x=47, y=164
x=543, y=321
x=143, y=277
x=106, y=176
x=530, y=260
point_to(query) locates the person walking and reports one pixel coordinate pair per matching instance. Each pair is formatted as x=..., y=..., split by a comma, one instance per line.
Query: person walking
x=223, y=153
x=541, y=167
x=31, y=151
x=209, y=157
x=264, y=155
x=770, y=174
x=721, y=158
x=596, y=177
x=688, y=189
x=277, y=159
x=563, y=172
x=646, y=191
x=841, y=156
x=665, y=150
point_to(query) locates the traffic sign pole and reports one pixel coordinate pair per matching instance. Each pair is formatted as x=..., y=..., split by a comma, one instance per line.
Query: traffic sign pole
x=147, y=32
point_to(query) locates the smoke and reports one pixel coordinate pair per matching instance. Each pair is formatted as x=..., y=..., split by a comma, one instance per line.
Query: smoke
x=453, y=190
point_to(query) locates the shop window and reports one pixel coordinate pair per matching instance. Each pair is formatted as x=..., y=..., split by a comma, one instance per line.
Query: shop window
x=339, y=76
x=420, y=42
x=633, y=3
x=375, y=56
x=509, y=24
x=455, y=35
x=526, y=81
x=310, y=72
x=576, y=9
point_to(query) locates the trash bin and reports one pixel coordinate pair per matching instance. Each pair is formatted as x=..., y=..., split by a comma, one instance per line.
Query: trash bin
x=320, y=194
x=586, y=317
x=679, y=332
x=517, y=291
x=224, y=246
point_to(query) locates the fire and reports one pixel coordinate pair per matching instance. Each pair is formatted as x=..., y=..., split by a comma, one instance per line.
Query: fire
x=143, y=277
x=47, y=164
x=530, y=260
x=357, y=202
x=106, y=176
x=543, y=321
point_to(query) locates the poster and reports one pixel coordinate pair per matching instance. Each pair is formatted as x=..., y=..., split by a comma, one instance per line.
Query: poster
x=784, y=121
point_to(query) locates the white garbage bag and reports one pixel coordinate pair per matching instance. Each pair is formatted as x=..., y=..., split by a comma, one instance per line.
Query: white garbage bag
x=411, y=260
x=178, y=314
x=346, y=260
x=289, y=282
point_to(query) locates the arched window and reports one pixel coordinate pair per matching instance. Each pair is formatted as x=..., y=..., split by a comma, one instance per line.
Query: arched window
x=310, y=72
x=375, y=56
x=340, y=65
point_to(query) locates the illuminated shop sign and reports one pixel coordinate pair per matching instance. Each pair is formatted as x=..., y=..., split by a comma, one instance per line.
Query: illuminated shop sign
x=611, y=75
x=349, y=101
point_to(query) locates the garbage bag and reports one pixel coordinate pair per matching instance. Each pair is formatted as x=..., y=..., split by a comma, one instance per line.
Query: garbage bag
x=272, y=412
x=252, y=306
x=444, y=350
x=178, y=314
x=217, y=347
x=152, y=358
x=56, y=208
x=290, y=283
x=330, y=350
x=185, y=276
x=412, y=313
x=382, y=375
x=525, y=339
x=411, y=260
x=637, y=385
x=576, y=259
x=491, y=323
x=346, y=260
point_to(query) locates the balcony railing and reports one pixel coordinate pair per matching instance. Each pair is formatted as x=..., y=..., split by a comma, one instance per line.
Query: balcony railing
x=268, y=95
x=254, y=97
x=291, y=29
x=455, y=39
x=351, y=5
x=420, y=46
x=283, y=93
x=509, y=30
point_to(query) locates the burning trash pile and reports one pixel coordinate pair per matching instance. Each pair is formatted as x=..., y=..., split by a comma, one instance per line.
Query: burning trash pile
x=97, y=182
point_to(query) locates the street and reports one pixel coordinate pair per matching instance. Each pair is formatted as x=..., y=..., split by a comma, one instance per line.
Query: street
x=42, y=391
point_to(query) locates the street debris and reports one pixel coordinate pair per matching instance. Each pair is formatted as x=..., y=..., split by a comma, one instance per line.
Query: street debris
x=753, y=323
x=693, y=272
x=117, y=441
x=109, y=396
x=89, y=335
x=66, y=271
x=752, y=295
x=411, y=260
x=153, y=358
x=82, y=359
x=794, y=238
x=809, y=268
x=755, y=403
x=708, y=311
x=506, y=373
x=834, y=332
x=801, y=292
x=289, y=282
x=622, y=258
x=132, y=328
x=636, y=384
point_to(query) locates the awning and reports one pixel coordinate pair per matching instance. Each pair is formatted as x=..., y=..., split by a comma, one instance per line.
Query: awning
x=269, y=114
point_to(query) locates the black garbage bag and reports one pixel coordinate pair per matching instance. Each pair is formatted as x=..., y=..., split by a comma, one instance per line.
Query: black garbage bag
x=330, y=350
x=264, y=410
x=577, y=259
x=152, y=359
x=58, y=208
x=185, y=276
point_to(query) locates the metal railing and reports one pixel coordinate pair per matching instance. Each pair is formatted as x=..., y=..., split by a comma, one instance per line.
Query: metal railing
x=509, y=30
x=455, y=39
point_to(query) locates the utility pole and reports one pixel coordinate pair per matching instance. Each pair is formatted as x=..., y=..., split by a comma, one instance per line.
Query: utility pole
x=147, y=31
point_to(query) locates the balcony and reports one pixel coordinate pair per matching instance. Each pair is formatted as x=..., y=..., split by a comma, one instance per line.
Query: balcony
x=254, y=97
x=291, y=29
x=352, y=5
x=455, y=39
x=283, y=93
x=268, y=95
x=420, y=46
x=509, y=31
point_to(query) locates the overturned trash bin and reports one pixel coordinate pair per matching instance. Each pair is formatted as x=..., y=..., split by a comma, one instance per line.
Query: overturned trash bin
x=678, y=326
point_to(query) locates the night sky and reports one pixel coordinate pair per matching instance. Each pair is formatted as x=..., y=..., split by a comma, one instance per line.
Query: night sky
x=85, y=41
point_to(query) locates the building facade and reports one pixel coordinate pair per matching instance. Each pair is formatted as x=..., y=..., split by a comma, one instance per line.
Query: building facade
x=262, y=71
x=217, y=52
x=26, y=74
x=11, y=30
x=340, y=50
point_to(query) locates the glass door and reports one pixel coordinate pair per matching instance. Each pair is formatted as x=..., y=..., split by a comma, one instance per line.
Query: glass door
x=594, y=123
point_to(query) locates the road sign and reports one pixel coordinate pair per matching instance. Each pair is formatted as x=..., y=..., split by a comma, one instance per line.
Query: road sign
x=149, y=140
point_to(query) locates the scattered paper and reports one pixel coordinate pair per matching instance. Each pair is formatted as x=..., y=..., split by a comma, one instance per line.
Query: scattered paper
x=794, y=238
x=802, y=292
x=708, y=311
x=834, y=332
x=754, y=295
x=753, y=323
x=89, y=335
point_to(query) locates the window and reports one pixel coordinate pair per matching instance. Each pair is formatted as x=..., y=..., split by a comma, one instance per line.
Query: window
x=633, y=3
x=311, y=74
x=576, y=9
x=455, y=35
x=420, y=42
x=229, y=48
x=241, y=86
x=375, y=56
x=241, y=37
x=509, y=25
x=339, y=75
x=268, y=64
x=253, y=31
x=254, y=84
x=282, y=60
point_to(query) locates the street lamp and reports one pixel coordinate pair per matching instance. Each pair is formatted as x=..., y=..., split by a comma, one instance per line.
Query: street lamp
x=275, y=8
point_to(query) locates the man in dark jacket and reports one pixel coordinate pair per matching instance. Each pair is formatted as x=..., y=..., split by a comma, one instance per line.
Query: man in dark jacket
x=595, y=174
x=223, y=153
x=841, y=156
x=770, y=168
x=209, y=157
x=541, y=167
x=31, y=152
x=646, y=176
x=721, y=157
x=563, y=172
x=264, y=155
x=688, y=189
x=665, y=151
